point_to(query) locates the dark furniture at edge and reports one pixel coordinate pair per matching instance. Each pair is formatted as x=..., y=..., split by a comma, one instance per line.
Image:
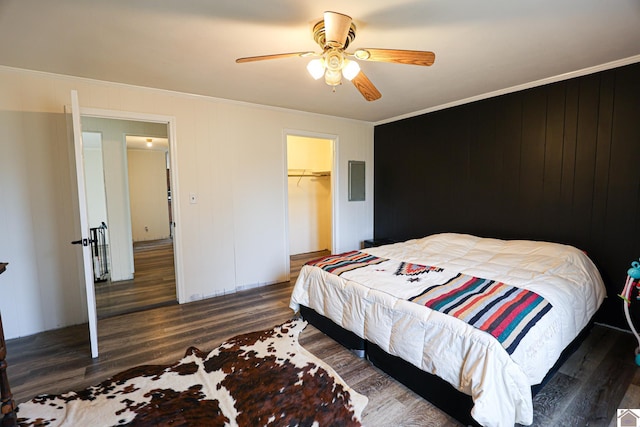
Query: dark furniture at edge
x=7, y=405
x=372, y=243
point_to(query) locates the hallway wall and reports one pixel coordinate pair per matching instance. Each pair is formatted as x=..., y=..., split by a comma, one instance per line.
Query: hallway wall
x=148, y=194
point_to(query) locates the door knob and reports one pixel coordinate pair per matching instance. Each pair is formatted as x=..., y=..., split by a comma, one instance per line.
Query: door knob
x=83, y=242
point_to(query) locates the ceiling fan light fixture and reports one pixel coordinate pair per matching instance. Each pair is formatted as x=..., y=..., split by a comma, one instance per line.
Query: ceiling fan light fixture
x=332, y=78
x=334, y=33
x=315, y=67
x=334, y=59
x=350, y=70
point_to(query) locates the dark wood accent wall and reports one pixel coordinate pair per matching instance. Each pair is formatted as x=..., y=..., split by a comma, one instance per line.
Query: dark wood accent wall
x=559, y=162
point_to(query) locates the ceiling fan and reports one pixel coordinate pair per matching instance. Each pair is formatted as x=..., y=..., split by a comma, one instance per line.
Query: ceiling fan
x=334, y=34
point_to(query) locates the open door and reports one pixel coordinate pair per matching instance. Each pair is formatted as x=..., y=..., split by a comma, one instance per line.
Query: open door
x=85, y=238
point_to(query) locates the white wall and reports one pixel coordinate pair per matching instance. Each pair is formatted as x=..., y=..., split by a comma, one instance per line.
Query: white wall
x=230, y=154
x=114, y=149
x=94, y=179
x=309, y=197
x=148, y=194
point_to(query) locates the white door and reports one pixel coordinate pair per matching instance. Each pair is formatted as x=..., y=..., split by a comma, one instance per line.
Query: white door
x=85, y=238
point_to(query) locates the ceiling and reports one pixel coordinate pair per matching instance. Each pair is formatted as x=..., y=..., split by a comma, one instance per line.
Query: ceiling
x=482, y=47
x=147, y=143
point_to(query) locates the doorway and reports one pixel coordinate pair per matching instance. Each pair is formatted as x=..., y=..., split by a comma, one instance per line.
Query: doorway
x=136, y=218
x=310, y=165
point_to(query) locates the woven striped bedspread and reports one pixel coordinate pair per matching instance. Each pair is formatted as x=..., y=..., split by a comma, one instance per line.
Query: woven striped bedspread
x=338, y=264
x=506, y=312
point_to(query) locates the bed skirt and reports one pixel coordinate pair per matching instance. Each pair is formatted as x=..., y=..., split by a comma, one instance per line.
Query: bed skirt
x=346, y=338
x=432, y=388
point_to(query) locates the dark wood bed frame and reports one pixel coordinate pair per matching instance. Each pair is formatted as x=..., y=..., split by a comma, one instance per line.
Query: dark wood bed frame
x=434, y=389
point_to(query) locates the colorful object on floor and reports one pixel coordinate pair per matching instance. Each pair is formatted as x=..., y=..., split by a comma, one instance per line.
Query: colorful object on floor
x=633, y=276
x=260, y=378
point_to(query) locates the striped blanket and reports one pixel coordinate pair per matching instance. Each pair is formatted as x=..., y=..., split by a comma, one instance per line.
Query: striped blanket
x=504, y=311
x=338, y=264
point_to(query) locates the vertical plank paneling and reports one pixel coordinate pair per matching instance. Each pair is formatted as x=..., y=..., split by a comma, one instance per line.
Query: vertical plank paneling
x=532, y=161
x=446, y=173
x=485, y=168
x=603, y=160
x=509, y=138
x=559, y=162
x=553, y=156
x=565, y=225
x=585, y=158
x=459, y=174
x=384, y=180
x=623, y=191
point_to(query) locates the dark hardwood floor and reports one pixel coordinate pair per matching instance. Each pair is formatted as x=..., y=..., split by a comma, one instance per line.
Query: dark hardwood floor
x=599, y=378
x=154, y=283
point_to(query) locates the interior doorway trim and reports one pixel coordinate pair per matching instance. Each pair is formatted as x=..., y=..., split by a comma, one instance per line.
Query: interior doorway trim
x=334, y=189
x=170, y=121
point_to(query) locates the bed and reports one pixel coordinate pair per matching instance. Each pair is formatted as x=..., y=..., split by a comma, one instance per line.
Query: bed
x=488, y=319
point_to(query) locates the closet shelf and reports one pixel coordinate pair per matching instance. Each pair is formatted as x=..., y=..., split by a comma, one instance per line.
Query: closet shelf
x=310, y=174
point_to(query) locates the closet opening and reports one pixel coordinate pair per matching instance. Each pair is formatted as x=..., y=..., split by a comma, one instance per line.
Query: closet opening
x=310, y=188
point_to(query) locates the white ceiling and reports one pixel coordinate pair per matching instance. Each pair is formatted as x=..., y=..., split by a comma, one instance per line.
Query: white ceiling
x=482, y=47
x=142, y=143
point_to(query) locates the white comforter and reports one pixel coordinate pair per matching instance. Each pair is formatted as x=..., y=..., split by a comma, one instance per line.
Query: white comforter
x=471, y=360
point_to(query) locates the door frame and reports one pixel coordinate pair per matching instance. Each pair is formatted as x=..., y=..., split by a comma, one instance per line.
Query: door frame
x=334, y=188
x=170, y=121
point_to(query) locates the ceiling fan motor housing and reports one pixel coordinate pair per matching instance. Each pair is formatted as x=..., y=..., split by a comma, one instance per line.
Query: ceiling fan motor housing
x=320, y=37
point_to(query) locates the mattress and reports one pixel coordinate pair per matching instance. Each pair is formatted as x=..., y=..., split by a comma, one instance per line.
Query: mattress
x=376, y=307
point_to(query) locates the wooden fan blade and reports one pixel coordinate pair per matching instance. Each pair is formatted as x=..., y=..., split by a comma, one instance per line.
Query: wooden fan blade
x=411, y=57
x=276, y=56
x=336, y=28
x=365, y=87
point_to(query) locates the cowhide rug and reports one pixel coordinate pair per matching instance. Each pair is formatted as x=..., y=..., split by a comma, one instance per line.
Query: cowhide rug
x=263, y=378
